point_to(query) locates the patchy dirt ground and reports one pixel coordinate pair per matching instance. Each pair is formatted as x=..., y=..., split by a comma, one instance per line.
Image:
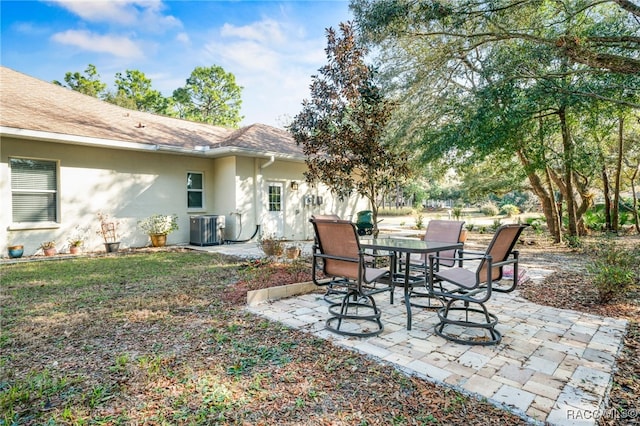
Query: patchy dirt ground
x=174, y=347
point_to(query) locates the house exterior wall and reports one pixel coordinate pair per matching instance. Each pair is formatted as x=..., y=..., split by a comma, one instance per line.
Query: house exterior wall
x=127, y=185
x=131, y=185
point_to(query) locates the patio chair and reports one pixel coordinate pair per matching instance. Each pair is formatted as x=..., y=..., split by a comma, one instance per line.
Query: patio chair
x=447, y=231
x=334, y=285
x=338, y=250
x=460, y=287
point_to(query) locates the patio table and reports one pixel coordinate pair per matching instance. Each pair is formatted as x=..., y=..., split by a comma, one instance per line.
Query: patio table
x=407, y=247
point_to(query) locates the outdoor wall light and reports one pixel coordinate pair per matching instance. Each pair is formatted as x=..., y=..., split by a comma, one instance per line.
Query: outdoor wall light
x=294, y=185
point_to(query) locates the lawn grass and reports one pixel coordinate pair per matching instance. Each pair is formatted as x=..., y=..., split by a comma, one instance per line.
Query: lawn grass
x=148, y=338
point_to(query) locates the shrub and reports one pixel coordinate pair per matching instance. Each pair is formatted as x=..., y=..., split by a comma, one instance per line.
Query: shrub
x=489, y=209
x=573, y=241
x=614, y=270
x=510, y=210
x=419, y=221
x=457, y=212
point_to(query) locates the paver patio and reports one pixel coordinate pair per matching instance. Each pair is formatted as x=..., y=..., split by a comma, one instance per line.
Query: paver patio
x=552, y=365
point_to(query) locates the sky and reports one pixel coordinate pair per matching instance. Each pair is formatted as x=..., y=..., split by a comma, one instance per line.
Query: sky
x=272, y=47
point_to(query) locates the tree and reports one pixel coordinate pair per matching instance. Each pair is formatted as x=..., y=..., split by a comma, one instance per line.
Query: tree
x=89, y=83
x=482, y=78
x=342, y=128
x=210, y=95
x=134, y=90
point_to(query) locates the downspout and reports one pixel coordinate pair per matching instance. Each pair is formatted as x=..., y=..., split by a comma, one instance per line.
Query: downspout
x=268, y=163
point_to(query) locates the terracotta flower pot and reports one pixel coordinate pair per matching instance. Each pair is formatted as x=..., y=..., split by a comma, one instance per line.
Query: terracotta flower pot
x=293, y=252
x=74, y=249
x=49, y=251
x=158, y=240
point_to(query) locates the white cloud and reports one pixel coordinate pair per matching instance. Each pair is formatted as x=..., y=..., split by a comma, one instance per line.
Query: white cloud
x=273, y=61
x=266, y=31
x=115, y=45
x=183, y=38
x=145, y=14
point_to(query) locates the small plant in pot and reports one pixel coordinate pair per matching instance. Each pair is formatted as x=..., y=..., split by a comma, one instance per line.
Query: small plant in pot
x=109, y=231
x=76, y=241
x=158, y=227
x=48, y=248
x=293, y=251
x=272, y=246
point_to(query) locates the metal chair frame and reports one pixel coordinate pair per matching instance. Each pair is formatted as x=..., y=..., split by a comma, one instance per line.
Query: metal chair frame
x=339, y=255
x=475, y=287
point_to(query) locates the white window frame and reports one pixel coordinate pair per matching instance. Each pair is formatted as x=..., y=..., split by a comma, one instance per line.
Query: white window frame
x=38, y=224
x=200, y=190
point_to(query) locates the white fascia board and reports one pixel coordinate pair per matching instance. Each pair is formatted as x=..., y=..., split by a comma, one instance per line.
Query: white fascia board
x=116, y=144
x=74, y=139
x=232, y=150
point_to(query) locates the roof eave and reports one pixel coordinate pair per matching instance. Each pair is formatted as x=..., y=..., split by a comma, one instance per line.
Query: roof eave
x=74, y=139
x=205, y=151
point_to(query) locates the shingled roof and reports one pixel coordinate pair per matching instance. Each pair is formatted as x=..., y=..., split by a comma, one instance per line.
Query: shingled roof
x=35, y=109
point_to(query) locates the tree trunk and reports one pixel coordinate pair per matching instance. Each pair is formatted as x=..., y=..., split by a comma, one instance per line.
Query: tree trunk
x=616, y=190
x=545, y=196
x=635, y=197
x=554, y=221
x=568, y=156
x=607, y=197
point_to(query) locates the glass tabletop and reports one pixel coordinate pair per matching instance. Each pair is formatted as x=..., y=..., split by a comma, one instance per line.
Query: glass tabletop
x=408, y=245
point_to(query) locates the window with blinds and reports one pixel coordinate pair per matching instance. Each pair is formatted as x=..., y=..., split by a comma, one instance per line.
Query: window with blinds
x=34, y=190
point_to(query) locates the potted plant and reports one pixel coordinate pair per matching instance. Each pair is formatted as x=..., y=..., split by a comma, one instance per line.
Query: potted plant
x=15, y=251
x=158, y=227
x=272, y=246
x=76, y=241
x=293, y=252
x=108, y=230
x=49, y=248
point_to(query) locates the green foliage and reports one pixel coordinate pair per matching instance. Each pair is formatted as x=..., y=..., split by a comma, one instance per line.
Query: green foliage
x=510, y=210
x=210, y=95
x=614, y=270
x=159, y=224
x=457, y=212
x=134, y=86
x=510, y=93
x=402, y=211
x=88, y=84
x=342, y=128
x=573, y=241
x=419, y=221
x=489, y=209
x=535, y=223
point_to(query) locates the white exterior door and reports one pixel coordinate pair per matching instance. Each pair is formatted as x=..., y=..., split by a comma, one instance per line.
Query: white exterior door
x=274, y=223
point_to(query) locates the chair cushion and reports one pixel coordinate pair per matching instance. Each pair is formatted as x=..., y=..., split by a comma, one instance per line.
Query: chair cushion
x=372, y=274
x=459, y=276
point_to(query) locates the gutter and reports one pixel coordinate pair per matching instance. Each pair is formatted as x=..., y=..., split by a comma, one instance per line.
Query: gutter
x=72, y=139
x=200, y=150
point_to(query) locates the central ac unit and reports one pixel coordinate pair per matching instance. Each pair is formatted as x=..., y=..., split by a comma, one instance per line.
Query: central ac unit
x=206, y=230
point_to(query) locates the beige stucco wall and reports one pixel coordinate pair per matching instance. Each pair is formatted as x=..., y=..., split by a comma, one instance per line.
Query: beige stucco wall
x=127, y=185
x=130, y=185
